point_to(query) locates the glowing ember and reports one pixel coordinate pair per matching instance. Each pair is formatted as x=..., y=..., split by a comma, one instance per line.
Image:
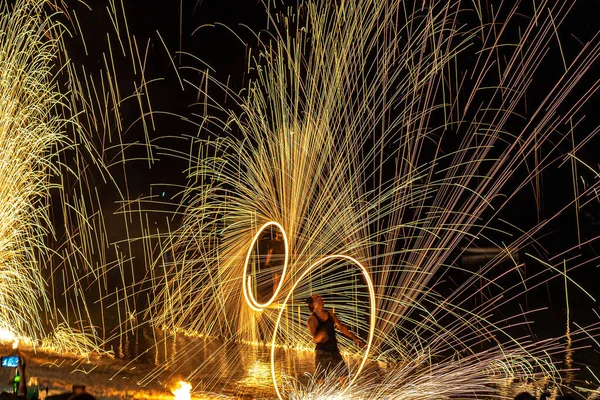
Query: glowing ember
x=182, y=391
x=6, y=335
x=385, y=140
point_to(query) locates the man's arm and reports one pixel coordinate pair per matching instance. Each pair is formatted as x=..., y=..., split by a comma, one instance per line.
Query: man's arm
x=319, y=336
x=345, y=331
x=268, y=260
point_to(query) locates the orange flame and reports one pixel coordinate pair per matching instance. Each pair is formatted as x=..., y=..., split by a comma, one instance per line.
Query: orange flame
x=182, y=391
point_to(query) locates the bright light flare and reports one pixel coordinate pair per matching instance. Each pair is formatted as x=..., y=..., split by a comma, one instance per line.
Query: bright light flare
x=6, y=335
x=182, y=391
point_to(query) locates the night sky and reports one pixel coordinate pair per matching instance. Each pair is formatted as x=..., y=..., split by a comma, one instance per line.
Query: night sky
x=207, y=29
x=188, y=29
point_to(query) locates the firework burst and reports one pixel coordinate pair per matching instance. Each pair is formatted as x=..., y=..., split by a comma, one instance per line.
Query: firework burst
x=56, y=146
x=379, y=139
x=363, y=134
x=31, y=133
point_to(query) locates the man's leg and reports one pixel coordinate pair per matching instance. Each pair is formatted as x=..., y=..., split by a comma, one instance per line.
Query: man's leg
x=340, y=368
x=330, y=364
x=323, y=365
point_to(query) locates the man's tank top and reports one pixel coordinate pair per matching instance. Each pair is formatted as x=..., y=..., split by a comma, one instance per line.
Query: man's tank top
x=328, y=325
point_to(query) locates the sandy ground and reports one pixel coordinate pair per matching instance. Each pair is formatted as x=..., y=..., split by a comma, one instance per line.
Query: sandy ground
x=103, y=377
x=106, y=378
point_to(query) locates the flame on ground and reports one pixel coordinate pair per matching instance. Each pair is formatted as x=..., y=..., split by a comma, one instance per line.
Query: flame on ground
x=182, y=391
x=6, y=335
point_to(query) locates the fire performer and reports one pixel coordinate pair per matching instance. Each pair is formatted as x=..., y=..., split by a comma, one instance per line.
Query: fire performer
x=322, y=324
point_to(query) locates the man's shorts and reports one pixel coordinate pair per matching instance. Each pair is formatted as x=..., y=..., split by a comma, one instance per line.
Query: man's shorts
x=330, y=362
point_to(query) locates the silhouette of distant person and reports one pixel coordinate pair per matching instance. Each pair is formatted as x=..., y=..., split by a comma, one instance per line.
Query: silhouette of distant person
x=77, y=390
x=272, y=256
x=321, y=325
x=21, y=385
x=268, y=277
x=524, y=396
x=82, y=396
x=275, y=257
x=78, y=393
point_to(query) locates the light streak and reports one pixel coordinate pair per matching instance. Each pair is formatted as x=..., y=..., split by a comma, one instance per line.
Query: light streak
x=55, y=135
x=372, y=319
x=395, y=136
x=342, y=138
x=247, y=279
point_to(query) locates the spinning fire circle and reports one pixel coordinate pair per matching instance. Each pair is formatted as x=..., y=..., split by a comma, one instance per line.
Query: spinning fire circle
x=257, y=306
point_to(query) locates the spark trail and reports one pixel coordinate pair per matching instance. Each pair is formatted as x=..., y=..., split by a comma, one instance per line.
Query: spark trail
x=57, y=155
x=382, y=139
x=395, y=136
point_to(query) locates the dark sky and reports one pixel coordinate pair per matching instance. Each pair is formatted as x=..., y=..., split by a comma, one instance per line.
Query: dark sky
x=186, y=25
x=200, y=28
x=220, y=49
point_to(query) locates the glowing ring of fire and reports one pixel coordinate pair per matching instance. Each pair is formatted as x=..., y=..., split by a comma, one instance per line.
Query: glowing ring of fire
x=247, y=279
x=371, y=319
